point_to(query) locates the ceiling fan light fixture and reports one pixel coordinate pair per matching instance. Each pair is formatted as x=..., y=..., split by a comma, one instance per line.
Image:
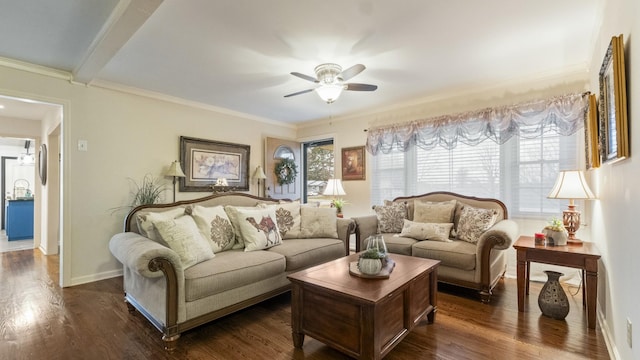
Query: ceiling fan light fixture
x=330, y=92
x=331, y=81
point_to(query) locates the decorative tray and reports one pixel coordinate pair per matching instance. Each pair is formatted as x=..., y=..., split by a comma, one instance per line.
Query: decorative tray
x=384, y=273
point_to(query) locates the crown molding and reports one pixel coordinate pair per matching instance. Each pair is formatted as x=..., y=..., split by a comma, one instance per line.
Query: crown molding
x=180, y=101
x=36, y=69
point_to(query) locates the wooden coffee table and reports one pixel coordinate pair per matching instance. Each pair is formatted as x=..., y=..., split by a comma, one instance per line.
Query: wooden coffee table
x=363, y=318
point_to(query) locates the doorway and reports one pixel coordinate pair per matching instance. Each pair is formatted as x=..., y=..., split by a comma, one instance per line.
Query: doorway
x=40, y=121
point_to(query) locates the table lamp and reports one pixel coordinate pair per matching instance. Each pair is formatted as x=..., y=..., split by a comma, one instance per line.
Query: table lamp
x=259, y=175
x=175, y=170
x=334, y=188
x=571, y=185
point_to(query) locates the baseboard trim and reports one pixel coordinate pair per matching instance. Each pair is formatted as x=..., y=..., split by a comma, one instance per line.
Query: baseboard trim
x=95, y=277
x=606, y=334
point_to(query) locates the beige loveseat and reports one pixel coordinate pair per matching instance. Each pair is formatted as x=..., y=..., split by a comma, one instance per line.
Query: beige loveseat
x=472, y=256
x=176, y=287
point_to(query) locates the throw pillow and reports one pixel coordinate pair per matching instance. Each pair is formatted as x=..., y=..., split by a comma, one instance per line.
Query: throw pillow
x=474, y=222
x=426, y=231
x=234, y=216
x=259, y=228
x=434, y=212
x=318, y=222
x=215, y=226
x=184, y=238
x=146, y=219
x=288, y=218
x=391, y=217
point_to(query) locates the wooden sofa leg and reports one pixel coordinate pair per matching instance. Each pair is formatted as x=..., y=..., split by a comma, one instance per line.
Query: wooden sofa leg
x=485, y=296
x=170, y=342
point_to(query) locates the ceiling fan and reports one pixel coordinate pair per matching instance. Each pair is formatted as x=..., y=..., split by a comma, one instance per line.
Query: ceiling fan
x=332, y=81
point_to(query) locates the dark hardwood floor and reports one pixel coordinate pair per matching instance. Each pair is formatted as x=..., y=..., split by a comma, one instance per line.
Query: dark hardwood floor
x=39, y=320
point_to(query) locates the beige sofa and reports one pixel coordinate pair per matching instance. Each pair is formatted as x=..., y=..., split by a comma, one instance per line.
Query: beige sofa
x=177, y=290
x=474, y=258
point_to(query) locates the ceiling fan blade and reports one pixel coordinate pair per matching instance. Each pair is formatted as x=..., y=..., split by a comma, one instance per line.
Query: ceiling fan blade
x=351, y=72
x=360, y=87
x=299, y=92
x=306, y=77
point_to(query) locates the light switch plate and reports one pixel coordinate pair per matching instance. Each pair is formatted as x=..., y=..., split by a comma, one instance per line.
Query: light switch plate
x=83, y=145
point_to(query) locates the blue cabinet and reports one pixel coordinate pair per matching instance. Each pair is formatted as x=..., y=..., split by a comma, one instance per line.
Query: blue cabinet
x=19, y=222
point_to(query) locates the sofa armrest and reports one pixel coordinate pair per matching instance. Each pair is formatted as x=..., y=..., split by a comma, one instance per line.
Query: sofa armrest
x=346, y=227
x=500, y=236
x=139, y=253
x=365, y=227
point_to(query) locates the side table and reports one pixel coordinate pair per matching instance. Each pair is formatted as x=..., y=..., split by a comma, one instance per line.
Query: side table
x=581, y=256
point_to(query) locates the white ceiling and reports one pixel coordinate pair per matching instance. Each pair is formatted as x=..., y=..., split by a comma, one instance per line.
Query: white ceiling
x=237, y=54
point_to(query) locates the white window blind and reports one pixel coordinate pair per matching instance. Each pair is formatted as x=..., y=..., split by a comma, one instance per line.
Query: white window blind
x=520, y=172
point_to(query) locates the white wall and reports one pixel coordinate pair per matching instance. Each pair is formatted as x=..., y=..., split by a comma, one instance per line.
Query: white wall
x=128, y=136
x=616, y=211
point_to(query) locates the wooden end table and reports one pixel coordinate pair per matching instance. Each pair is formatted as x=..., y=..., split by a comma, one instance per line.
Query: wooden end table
x=582, y=256
x=363, y=318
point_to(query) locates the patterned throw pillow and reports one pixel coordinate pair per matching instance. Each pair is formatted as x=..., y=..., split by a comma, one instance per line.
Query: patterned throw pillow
x=474, y=222
x=146, y=220
x=234, y=216
x=259, y=228
x=391, y=217
x=184, y=238
x=318, y=222
x=434, y=212
x=426, y=231
x=214, y=225
x=288, y=218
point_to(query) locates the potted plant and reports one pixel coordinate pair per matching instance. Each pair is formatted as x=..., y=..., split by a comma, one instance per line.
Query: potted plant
x=148, y=192
x=555, y=233
x=371, y=261
x=338, y=204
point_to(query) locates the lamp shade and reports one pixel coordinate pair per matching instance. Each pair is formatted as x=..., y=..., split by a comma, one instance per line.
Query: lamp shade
x=330, y=92
x=259, y=173
x=334, y=187
x=571, y=184
x=175, y=170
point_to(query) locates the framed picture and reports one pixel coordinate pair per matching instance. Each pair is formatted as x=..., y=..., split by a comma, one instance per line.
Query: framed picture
x=592, y=151
x=42, y=164
x=206, y=161
x=353, y=163
x=614, y=132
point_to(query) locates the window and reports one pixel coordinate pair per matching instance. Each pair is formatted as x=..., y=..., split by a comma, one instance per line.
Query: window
x=319, y=167
x=520, y=172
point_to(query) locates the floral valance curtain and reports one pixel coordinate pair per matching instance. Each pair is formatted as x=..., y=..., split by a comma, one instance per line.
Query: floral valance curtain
x=564, y=114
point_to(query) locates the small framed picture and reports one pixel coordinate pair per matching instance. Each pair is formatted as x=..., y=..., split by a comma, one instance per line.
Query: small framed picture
x=353, y=163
